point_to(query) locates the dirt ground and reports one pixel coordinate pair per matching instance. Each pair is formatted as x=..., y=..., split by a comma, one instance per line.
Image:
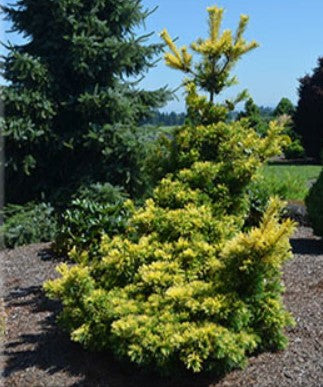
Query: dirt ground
x=37, y=353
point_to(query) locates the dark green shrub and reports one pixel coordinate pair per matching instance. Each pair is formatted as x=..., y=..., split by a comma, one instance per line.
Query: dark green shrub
x=314, y=204
x=100, y=193
x=95, y=210
x=259, y=196
x=28, y=223
x=294, y=150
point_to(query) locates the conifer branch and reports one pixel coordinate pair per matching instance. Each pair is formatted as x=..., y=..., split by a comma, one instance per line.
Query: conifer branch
x=219, y=54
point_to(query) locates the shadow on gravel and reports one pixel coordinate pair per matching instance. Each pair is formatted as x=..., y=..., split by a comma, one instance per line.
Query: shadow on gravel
x=48, y=255
x=37, y=301
x=307, y=246
x=51, y=350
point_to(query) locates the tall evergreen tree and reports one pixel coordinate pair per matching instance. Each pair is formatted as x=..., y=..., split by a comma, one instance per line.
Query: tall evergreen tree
x=70, y=107
x=256, y=120
x=309, y=113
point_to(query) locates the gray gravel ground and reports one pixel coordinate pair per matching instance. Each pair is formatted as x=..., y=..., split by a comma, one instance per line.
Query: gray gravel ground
x=37, y=353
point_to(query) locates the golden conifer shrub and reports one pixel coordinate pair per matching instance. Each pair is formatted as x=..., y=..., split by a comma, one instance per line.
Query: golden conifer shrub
x=187, y=284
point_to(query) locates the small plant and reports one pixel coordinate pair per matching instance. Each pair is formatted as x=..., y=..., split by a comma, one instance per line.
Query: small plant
x=96, y=210
x=314, y=204
x=29, y=223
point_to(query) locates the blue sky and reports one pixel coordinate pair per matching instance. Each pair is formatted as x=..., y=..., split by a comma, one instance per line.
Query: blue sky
x=290, y=33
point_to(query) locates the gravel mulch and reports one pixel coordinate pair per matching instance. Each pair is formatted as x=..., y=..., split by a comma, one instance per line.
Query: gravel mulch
x=37, y=353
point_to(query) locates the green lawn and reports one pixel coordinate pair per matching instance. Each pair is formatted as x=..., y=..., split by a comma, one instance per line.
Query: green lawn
x=291, y=182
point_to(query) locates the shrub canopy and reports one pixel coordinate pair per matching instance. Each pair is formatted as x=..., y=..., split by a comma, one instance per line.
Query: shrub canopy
x=185, y=284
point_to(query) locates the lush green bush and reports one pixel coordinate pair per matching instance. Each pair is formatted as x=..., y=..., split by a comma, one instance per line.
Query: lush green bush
x=314, y=204
x=29, y=223
x=184, y=284
x=259, y=196
x=100, y=193
x=95, y=210
x=294, y=150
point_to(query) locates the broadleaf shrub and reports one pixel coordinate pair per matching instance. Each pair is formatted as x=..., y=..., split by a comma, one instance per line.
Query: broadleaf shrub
x=314, y=204
x=95, y=210
x=184, y=284
x=28, y=223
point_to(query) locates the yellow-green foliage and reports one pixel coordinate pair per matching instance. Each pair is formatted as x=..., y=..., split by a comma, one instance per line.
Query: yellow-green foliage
x=220, y=53
x=186, y=284
x=181, y=291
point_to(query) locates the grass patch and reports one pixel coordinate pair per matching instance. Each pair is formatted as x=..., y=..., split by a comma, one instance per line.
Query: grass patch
x=290, y=182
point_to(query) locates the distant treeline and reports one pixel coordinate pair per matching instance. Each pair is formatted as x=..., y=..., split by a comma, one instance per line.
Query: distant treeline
x=165, y=119
x=173, y=119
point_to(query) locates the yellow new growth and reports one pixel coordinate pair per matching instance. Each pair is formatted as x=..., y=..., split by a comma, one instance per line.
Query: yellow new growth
x=178, y=59
x=215, y=20
x=220, y=52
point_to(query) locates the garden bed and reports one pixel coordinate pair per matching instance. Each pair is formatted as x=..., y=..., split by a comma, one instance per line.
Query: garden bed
x=37, y=353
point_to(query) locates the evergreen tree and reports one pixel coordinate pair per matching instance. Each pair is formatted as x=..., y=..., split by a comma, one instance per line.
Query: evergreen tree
x=70, y=107
x=309, y=113
x=253, y=114
x=186, y=284
x=284, y=107
x=251, y=109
